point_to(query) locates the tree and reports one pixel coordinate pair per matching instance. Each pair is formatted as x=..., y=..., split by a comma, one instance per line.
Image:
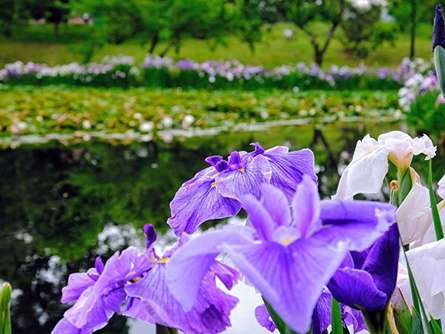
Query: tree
x=414, y=12
x=157, y=22
x=306, y=15
x=12, y=13
x=363, y=30
x=53, y=11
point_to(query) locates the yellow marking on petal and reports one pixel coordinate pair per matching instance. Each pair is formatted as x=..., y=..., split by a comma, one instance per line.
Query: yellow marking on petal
x=164, y=260
x=134, y=280
x=242, y=169
x=213, y=184
x=286, y=241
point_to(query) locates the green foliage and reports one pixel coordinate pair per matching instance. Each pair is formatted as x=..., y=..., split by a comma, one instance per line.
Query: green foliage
x=427, y=114
x=5, y=312
x=35, y=110
x=401, y=11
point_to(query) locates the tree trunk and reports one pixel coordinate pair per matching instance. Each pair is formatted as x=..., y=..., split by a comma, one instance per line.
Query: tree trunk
x=153, y=43
x=412, y=47
x=318, y=55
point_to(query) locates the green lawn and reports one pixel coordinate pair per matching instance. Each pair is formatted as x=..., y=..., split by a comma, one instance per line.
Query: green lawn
x=37, y=43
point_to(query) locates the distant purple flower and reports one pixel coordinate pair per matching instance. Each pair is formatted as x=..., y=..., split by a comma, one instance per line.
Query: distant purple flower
x=133, y=283
x=186, y=64
x=289, y=255
x=214, y=192
x=367, y=279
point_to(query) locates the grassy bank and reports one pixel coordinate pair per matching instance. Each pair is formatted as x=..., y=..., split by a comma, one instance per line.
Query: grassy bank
x=37, y=43
x=39, y=111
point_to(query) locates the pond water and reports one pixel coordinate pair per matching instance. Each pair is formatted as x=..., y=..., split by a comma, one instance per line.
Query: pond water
x=61, y=206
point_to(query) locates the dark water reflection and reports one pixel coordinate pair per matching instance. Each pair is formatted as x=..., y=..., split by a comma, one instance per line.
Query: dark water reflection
x=55, y=201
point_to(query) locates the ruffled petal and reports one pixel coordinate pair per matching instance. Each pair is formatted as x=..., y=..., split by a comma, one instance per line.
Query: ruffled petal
x=65, y=327
x=290, y=278
x=190, y=263
x=155, y=303
x=357, y=223
x=77, y=284
x=197, y=201
x=263, y=318
x=288, y=168
x=244, y=180
x=441, y=187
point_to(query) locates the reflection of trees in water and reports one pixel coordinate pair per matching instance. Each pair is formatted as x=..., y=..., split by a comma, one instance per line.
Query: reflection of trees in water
x=56, y=199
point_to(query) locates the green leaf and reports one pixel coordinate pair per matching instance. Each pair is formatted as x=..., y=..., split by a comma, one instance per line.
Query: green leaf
x=281, y=325
x=439, y=62
x=435, y=326
x=416, y=324
x=405, y=184
x=5, y=312
x=433, y=202
x=337, y=326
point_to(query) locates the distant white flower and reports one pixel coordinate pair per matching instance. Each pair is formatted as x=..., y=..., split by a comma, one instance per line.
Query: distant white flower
x=146, y=127
x=167, y=122
x=369, y=165
x=428, y=265
x=288, y=33
x=86, y=124
x=187, y=121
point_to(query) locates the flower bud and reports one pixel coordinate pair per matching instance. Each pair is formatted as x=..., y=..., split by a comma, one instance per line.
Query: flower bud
x=439, y=47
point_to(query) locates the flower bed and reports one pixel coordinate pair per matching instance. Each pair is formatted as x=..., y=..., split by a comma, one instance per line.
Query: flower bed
x=46, y=110
x=163, y=72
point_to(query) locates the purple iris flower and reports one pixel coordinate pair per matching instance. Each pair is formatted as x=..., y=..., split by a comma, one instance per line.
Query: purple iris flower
x=367, y=279
x=133, y=283
x=215, y=192
x=289, y=251
x=100, y=292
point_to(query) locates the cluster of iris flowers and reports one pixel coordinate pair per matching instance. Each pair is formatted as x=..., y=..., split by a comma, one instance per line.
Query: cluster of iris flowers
x=319, y=265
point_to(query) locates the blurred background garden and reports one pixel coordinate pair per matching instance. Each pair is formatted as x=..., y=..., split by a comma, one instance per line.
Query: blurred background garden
x=107, y=107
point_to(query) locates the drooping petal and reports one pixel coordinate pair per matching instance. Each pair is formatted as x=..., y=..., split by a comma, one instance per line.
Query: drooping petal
x=400, y=148
x=100, y=301
x=244, y=180
x=77, y=284
x=263, y=318
x=366, y=172
x=155, y=303
x=190, y=263
x=357, y=223
x=199, y=201
x=290, y=278
x=288, y=168
x=306, y=207
x=356, y=288
x=382, y=261
x=414, y=214
x=65, y=327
